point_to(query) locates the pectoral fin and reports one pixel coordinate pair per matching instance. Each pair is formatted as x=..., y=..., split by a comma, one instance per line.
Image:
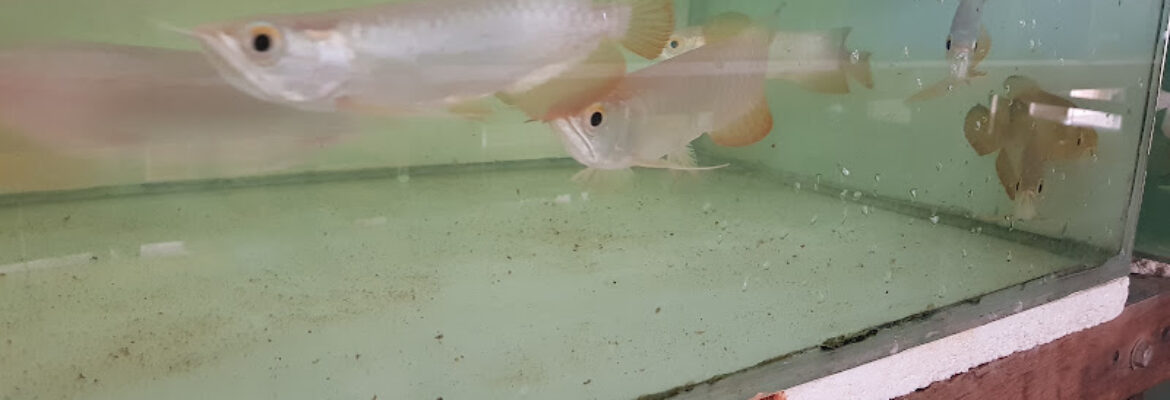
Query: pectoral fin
x=752, y=127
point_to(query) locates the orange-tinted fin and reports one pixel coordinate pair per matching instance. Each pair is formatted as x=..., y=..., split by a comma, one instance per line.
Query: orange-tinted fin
x=858, y=68
x=651, y=24
x=1008, y=177
x=979, y=129
x=475, y=110
x=725, y=26
x=580, y=86
x=939, y=89
x=749, y=129
x=1018, y=86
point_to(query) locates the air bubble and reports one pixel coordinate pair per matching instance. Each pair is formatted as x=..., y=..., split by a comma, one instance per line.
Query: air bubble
x=845, y=171
x=913, y=193
x=934, y=219
x=856, y=195
x=855, y=57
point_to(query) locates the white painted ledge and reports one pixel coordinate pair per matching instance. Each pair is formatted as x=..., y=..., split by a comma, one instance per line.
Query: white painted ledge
x=920, y=366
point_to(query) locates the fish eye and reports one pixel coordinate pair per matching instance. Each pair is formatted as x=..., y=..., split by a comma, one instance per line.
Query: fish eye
x=674, y=44
x=1079, y=139
x=948, y=43
x=1040, y=187
x=596, y=119
x=263, y=38
x=1017, y=186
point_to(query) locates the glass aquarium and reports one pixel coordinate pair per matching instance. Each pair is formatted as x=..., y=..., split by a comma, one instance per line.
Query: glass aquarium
x=1153, y=236
x=179, y=221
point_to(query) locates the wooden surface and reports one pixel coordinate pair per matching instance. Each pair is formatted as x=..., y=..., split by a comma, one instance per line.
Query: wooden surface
x=1116, y=360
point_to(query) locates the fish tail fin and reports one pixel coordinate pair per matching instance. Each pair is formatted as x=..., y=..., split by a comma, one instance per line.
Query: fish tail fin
x=979, y=130
x=938, y=89
x=859, y=69
x=651, y=24
x=752, y=127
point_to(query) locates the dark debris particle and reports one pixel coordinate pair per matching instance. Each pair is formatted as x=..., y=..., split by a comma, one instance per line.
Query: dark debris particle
x=587, y=381
x=358, y=356
x=439, y=337
x=658, y=310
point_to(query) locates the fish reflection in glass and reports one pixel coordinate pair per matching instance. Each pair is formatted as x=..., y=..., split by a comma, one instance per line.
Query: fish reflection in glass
x=438, y=57
x=1027, y=143
x=64, y=106
x=652, y=116
x=968, y=44
x=817, y=61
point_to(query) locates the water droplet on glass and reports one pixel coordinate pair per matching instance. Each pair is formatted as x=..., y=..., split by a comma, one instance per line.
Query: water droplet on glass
x=978, y=124
x=796, y=186
x=934, y=219
x=1061, y=60
x=844, y=193
x=845, y=171
x=1032, y=44
x=919, y=81
x=906, y=51
x=1023, y=24
x=813, y=221
x=856, y=195
x=1033, y=23
x=938, y=167
x=877, y=177
x=865, y=210
x=964, y=253
x=855, y=57
x=1009, y=256
x=913, y=193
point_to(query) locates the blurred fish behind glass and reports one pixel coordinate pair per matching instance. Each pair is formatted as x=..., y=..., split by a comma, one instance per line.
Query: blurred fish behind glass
x=817, y=61
x=436, y=57
x=652, y=116
x=65, y=107
x=967, y=45
x=1027, y=138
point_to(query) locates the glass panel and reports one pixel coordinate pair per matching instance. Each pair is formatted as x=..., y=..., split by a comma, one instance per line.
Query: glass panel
x=166, y=233
x=1153, y=236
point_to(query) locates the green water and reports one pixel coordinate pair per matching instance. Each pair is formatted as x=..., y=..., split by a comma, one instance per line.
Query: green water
x=1153, y=236
x=426, y=258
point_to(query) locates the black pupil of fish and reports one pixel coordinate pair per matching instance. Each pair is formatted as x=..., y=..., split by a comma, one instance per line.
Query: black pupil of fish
x=948, y=44
x=596, y=119
x=262, y=42
x=674, y=44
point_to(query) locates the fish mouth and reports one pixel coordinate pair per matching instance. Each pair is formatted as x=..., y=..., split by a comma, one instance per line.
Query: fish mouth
x=576, y=142
x=960, y=62
x=1025, y=208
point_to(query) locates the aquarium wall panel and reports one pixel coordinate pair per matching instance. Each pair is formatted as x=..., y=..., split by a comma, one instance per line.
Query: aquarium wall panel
x=872, y=141
x=166, y=234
